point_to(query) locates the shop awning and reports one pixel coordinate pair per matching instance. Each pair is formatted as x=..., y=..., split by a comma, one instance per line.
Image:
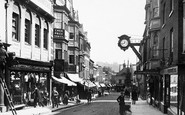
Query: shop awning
x=97, y=84
x=89, y=83
x=75, y=78
x=102, y=85
x=64, y=80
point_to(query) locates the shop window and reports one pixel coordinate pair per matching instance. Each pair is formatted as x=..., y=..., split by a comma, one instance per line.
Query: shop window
x=16, y=87
x=173, y=92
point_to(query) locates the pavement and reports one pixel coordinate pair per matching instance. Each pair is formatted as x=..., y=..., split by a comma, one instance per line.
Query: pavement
x=143, y=108
x=43, y=110
x=140, y=108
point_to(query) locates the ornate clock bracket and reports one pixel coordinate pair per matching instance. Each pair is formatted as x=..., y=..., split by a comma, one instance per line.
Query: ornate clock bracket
x=132, y=45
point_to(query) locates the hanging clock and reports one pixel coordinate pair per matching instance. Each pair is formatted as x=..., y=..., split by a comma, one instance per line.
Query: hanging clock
x=124, y=42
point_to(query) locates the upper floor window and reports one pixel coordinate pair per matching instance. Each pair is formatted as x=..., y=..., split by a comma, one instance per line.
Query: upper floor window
x=37, y=32
x=71, y=35
x=45, y=36
x=15, y=22
x=66, y=26
x=164, y=14
x=71, y=59
x=171, y=41
x=58, y=20
x=27, y=27
x=58, y=54
x=155, y=4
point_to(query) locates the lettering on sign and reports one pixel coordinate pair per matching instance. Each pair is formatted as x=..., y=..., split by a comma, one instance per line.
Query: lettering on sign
x=58, y=33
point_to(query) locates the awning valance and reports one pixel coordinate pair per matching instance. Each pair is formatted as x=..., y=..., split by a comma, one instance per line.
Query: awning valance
x=89, y=83
x=102, y=85
x=75, y=78
x=97, y=84
x=64, y=80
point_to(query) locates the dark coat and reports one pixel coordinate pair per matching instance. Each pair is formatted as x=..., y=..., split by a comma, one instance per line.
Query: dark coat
x=134, y=95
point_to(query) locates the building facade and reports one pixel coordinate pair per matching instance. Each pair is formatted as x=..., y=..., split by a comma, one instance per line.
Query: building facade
x=162, y=50
x=28, y=30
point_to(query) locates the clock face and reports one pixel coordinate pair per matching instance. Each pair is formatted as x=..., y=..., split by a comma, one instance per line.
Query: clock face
x=124, y=43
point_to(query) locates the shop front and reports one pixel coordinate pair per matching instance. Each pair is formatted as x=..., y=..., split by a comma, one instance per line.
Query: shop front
x=23, y=77
x=171, y=90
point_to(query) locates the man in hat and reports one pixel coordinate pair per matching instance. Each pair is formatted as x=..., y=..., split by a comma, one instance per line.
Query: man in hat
x=121, y=101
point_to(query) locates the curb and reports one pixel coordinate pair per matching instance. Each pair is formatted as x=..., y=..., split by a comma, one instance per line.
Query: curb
x=60, y=108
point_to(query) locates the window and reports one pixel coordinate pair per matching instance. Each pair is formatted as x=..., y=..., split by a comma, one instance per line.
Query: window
x=27, y=27
x=15, y=22
x=71, y=36
x=15, y=26
x=27, y=31
x=171, y=41
x=37, y=32
x=71, y=59
x=58, y=53
x=37, y=35
x=45, y=36
x=164, y=47
x=65, y=55
x=164, y=14
x=65, y=26
x=155, y=5
x=58, y=20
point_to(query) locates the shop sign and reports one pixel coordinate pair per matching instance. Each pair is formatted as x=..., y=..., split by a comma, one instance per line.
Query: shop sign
x=58, y=33
x=147, y=72
x=171, y=70
x=30, y=67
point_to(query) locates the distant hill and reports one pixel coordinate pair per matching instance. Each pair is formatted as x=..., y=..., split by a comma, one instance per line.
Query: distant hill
x=114, y=66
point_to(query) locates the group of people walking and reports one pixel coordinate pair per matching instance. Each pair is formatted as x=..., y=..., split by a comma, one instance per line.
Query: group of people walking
x=42, y=99
x=127, y=93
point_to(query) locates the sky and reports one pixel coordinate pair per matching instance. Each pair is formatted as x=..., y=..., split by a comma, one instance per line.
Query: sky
x=105, y=21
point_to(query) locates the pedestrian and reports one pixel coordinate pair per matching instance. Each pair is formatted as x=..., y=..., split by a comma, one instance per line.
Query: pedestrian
x=121, y=101
x=65, y=99
x=55, y=95
x=127, y=92
x=89, y=96
x=46, y=97
x=134, y=94
x=37, y=97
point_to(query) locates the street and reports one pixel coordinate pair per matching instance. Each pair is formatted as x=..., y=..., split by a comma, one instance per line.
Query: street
x=107, y=105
